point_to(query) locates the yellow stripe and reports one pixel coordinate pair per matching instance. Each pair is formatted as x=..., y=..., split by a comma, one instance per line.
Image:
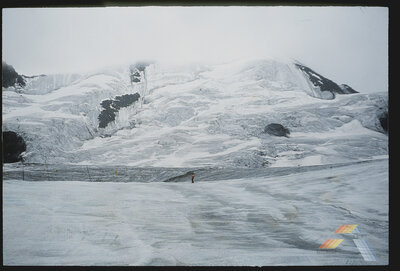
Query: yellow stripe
x=329, y=244
x=346, y=230
x=339, y=230
x=332, y=244
x=352, y=227
x=324, y=244
x=349, y=228
x=343, y=230
x=336, y=243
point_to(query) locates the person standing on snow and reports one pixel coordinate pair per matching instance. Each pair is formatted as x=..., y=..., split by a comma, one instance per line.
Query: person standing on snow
x=192, y=177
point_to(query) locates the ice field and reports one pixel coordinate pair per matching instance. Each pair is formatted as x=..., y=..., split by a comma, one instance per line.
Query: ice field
x=261, y=220
x=122, y=194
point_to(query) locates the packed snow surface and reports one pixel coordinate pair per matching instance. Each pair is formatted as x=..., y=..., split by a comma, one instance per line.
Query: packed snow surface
x=261, y=220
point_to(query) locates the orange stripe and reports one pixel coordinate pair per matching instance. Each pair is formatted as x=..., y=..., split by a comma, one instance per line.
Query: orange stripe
x=347, y=230
x=329, y=243
x=339, y=230
x=332, y=244
x=324, y=244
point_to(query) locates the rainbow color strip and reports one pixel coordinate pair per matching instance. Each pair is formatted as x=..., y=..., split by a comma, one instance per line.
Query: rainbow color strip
x=331, y=243
x=346, y=229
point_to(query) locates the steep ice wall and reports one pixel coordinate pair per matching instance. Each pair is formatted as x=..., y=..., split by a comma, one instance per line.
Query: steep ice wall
x=57, y=121
x=197, y=115
x=43, y=84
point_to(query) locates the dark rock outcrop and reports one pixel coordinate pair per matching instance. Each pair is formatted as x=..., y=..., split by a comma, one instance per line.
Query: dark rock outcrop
x=13, y=146
x=181, y=178
x=276, y=129
x=135, y=70
x=347, y=89
x=11, y=77
x=135, y=74
x=135, y=79
x=324, y=83
x=111, y=107
x=383, y=119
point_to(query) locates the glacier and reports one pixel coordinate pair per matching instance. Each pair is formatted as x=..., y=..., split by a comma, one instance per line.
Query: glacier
x=195, y=115
x=234, y=220
x=118, y=192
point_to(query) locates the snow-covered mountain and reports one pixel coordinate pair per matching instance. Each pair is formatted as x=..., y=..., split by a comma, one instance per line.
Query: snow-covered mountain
x=196, y=115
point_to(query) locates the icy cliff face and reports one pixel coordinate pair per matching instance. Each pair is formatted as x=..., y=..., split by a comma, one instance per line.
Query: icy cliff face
x=195, y=115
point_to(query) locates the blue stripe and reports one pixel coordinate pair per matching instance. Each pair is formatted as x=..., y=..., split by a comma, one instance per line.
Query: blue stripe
x=365, y=249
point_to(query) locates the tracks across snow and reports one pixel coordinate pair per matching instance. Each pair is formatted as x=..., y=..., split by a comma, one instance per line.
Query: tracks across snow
x=259, y=220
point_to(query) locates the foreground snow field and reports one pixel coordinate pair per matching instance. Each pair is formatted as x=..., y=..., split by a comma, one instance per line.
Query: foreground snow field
x=262, y=220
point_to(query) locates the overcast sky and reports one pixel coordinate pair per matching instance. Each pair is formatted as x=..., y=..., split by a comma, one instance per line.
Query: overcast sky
x=346, y=44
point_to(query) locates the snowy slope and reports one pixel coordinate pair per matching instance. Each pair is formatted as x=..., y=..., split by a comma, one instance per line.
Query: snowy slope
x=248, y=221
x=121, y=195
x=195, y=115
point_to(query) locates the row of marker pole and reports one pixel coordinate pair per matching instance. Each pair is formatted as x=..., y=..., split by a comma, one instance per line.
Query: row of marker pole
x=47, y=172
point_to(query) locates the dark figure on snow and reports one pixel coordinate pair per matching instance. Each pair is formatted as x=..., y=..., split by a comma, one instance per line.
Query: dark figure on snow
x=192, y=177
